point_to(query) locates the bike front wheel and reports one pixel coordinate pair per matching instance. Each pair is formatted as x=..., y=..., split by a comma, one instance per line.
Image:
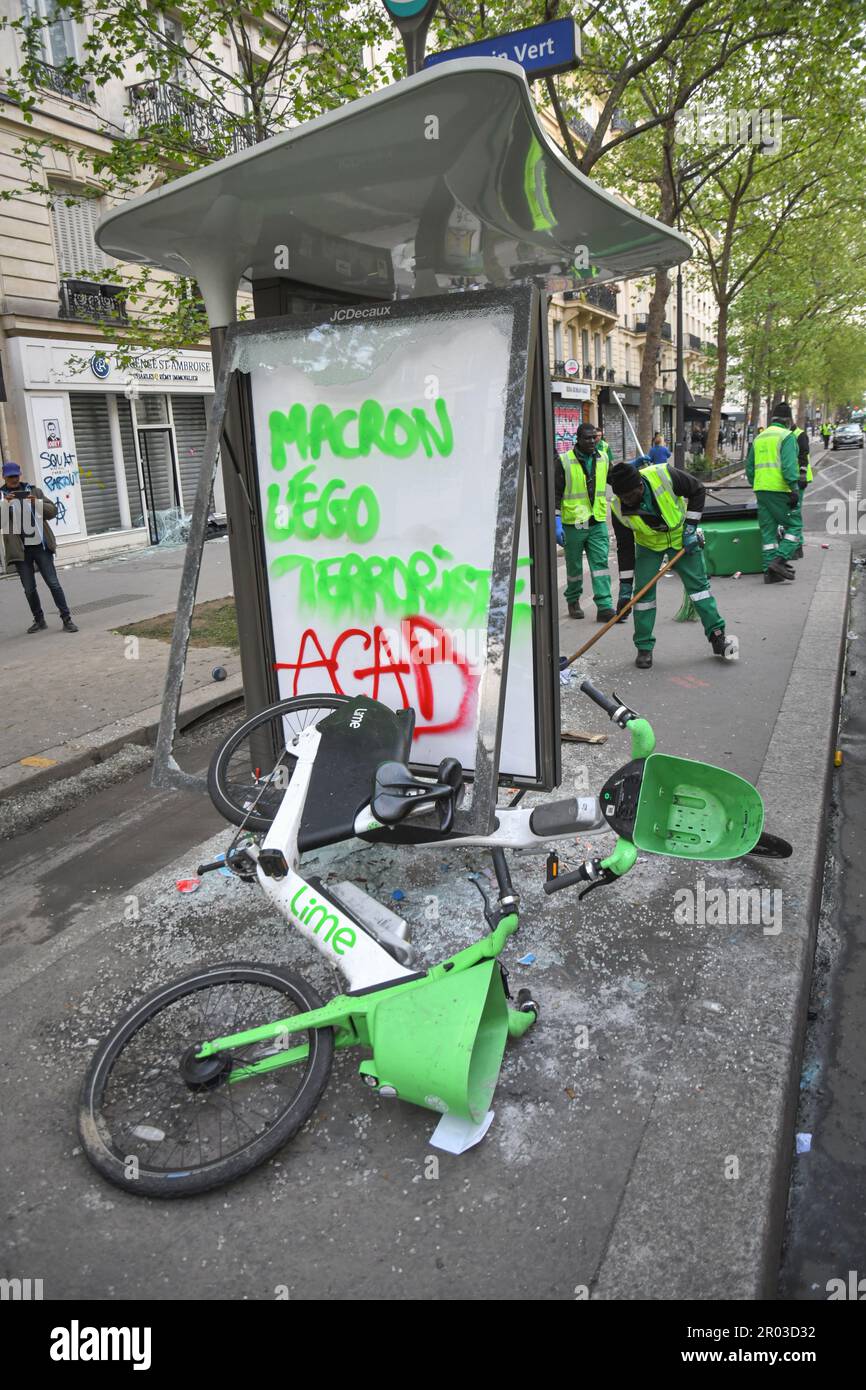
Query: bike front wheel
x=152, y=1123
x=250, y=771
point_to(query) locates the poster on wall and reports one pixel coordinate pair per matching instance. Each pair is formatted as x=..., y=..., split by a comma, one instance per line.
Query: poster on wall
x=567, y=415
x=56, y=465
x=388, y=447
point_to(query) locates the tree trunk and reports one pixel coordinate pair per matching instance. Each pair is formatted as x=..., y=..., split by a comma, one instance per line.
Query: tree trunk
x=652, y=349
x=719, y=384
x=763, y=353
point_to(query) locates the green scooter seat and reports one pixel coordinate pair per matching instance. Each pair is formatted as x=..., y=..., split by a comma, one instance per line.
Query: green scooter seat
x=693, y=810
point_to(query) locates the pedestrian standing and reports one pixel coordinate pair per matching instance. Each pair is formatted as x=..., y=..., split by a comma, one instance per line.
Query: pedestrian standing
x=659, y=453
x=29, y=544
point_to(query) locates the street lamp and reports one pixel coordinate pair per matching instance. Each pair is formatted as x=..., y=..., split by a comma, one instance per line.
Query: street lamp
x=412, y=18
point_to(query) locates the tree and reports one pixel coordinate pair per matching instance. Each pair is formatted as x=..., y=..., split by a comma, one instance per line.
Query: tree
x=187, y=106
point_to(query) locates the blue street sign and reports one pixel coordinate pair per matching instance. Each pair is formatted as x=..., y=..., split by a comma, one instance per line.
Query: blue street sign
x=542, y=50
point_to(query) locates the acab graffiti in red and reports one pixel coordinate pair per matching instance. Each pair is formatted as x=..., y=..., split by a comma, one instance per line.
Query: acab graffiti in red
x=431, y=677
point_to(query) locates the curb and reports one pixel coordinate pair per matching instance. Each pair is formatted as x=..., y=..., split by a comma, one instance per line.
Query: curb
x=99, y=744
x=726, y=1109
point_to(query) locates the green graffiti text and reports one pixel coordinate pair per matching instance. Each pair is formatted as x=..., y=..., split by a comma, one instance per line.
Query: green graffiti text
x=357, y=586
x=306, y=515
x=352, y=434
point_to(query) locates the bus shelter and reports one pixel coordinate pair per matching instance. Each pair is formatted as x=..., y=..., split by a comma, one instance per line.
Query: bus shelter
x=399, y=251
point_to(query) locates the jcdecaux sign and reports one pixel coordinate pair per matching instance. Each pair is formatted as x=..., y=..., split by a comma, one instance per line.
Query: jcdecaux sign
x=543, y=50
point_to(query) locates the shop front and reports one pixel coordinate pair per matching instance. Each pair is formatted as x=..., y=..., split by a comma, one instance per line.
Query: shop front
x=116, y=448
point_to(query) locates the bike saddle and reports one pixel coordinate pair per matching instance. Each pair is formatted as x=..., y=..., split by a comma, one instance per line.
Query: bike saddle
x=396, y=792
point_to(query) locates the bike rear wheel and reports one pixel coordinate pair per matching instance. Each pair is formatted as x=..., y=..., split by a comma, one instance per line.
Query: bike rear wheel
x=145, y=1127
x=250, y=771
x=772, y=847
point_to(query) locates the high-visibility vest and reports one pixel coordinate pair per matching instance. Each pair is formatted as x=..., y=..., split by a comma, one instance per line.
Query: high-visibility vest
x=796, y=433
x=576, y=509
x=768, y=460
x=605, y=449
x=673, y=510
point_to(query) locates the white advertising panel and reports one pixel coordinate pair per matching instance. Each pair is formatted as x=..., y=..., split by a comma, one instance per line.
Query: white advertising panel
x=379, y=446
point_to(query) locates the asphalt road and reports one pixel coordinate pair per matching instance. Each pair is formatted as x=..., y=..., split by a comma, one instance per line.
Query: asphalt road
x=353, y=1211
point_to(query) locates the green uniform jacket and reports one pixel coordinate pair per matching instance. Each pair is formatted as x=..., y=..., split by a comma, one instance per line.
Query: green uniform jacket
x=789, y=460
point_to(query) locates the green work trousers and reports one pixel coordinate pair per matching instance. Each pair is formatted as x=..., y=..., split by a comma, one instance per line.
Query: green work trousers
x=773, y=513
x=693, y=573
x=593, y=540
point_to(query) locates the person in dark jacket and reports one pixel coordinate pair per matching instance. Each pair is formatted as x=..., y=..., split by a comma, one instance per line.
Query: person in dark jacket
x=663, y=506
x=29, y=543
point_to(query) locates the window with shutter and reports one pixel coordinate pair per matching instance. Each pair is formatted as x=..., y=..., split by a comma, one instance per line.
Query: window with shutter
x=74, y=240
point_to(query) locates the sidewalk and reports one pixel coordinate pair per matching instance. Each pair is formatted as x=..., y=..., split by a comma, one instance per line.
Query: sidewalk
x=643, y=1132
x=70, y=700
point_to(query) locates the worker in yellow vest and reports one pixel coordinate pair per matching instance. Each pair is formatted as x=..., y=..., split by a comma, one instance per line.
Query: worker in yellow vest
x=773, y=470
x=581, y=521
x=663, y=506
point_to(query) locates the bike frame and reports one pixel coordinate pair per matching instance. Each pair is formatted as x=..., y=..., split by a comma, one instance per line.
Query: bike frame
x=371, y=972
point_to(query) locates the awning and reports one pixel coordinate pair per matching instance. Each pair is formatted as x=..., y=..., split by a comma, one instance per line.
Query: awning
x=695, y=407
x=446, y=180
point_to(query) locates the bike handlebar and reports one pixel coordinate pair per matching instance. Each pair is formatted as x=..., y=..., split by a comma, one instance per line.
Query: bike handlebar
x=617, y=711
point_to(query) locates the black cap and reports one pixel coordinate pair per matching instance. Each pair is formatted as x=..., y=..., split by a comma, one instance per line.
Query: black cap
x=624, y=478
x=782, y=411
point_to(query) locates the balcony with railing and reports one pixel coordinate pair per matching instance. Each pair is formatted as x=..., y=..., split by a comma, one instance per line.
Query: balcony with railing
x=90, y=301
x=694, y=342
x=203, y=123
x=667, y=331
x=599, y=296
x=63, y=82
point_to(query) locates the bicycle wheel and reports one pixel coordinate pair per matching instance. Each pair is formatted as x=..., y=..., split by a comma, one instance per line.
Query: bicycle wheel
x=154, y=1128
x=772, y=847
x=250, y=771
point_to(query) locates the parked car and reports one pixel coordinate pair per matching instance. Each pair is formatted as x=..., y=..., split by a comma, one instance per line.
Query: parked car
x=848, y=436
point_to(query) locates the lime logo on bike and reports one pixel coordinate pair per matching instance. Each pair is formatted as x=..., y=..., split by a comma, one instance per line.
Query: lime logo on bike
x=321, y=920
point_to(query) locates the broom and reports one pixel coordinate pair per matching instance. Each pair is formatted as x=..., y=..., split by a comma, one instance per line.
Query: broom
x=686, y=613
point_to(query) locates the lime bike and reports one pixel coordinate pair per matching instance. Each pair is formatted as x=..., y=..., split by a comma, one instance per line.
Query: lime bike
x=208, y=1076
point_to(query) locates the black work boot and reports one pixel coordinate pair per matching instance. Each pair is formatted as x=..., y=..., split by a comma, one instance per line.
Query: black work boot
x=604, y=615
x=38, y=626
x=69, y=625
x=781, y=569
x=718, y=642
x=575, y=610
x=643, y=661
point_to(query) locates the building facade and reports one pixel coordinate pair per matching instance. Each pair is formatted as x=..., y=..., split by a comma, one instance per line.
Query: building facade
x=116, y=446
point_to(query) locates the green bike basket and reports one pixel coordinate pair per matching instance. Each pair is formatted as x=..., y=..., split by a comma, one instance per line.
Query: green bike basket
x=441, y=1045
x=693, y=810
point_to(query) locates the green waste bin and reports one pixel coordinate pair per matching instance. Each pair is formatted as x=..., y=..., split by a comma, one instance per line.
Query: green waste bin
x=732, y=546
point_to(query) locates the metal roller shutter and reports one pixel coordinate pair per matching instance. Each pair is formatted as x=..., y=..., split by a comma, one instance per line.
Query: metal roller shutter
x=133, y=491
x=190, y=431
x=95, y=462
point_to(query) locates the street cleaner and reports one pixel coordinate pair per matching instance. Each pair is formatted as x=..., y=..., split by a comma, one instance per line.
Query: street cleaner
x=773, y=471
x=663, y=506
x=581, y=521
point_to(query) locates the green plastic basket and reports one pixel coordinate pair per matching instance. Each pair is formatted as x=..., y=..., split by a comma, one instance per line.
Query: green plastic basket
x=441, y=1044
x=693, y=810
